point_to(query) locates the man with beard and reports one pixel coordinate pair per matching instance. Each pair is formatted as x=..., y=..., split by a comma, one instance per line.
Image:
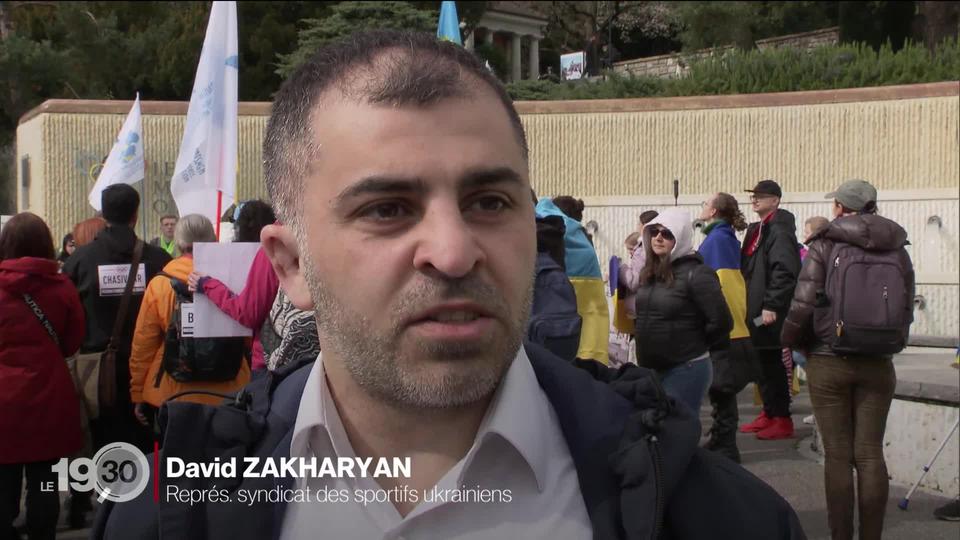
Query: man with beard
x=398, y=166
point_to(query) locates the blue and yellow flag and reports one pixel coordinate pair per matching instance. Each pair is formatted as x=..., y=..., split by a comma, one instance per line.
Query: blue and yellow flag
x=721, y=251
x=583, y=270
x=448, y=29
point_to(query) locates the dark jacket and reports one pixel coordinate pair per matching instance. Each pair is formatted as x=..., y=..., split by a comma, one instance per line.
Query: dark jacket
x=870, y=232
x=643, y=457
x=678, y=323
x=771, y=275
x=114, y=245
x=39, y=415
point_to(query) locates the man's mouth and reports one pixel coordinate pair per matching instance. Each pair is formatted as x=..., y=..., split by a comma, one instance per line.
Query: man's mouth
x=455, y=321
x=454, y=316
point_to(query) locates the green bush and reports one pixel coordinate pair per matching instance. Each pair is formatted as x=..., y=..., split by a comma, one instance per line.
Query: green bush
x=770, y=70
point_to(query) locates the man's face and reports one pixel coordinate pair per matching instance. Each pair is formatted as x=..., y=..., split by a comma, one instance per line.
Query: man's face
x=167, y=226
x=763, y=204
x=418, y=245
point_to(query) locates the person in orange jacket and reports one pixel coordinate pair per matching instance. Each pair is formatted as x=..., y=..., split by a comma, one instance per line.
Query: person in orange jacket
x=146, y=356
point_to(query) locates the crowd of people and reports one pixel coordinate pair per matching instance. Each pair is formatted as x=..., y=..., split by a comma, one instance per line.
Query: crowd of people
x=449, y=308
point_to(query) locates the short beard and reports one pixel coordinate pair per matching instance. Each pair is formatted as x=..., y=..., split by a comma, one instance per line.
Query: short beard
x=375, y=361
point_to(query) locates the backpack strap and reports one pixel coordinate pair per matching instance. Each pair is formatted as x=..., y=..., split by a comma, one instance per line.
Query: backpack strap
x=127, y=293
x=35, y=309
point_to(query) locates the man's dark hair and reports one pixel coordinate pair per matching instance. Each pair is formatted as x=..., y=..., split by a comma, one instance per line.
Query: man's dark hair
x=254, y=216
x=119, y=203
x=168, y=216
x=424, y=71
x=573, y=208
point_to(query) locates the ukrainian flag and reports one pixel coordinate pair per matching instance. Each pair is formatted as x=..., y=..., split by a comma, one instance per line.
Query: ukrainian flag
x=583, y=270
x=721, y=251
x=448, y=29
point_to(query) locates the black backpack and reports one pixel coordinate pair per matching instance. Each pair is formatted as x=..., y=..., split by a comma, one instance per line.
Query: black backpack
x=192, y=359
x=867, y=309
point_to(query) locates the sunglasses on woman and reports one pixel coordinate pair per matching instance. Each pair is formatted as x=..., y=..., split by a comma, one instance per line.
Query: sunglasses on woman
x=660, y=231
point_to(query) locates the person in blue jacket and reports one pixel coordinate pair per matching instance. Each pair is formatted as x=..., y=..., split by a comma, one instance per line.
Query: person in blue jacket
x=399, y=171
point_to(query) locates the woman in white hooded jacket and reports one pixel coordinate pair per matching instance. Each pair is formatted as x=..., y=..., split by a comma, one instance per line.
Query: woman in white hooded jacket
x=681, y=312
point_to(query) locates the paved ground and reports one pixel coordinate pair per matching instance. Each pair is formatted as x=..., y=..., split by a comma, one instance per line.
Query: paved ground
x=791, y=468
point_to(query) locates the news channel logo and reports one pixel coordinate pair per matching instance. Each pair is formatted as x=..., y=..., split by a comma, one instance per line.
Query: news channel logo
x=118, y=472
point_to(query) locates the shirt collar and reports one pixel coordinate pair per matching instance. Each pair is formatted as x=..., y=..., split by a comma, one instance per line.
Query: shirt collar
x=519, y=413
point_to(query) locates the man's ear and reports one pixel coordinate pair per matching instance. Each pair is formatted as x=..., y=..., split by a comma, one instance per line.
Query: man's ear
x=281, y=247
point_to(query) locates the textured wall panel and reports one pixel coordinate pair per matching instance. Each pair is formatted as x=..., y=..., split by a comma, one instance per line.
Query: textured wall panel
x=905, y=144
x=898, y=144
x=75, y=144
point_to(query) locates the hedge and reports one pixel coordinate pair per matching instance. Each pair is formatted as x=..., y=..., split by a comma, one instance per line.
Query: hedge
x=769, y=70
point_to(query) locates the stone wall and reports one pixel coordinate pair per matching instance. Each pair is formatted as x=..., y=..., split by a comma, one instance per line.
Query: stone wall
x=805, y=40
x=675, y=65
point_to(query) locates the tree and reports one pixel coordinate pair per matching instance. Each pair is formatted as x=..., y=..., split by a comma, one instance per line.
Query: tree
x=348, y=17
x=713, y=24
x=110, y=50
x=595, y=26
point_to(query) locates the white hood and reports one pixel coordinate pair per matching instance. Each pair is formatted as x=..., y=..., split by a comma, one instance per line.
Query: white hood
x=680, y=224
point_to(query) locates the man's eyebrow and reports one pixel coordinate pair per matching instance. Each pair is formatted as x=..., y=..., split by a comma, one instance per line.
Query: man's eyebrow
x=484, y=177
x=381, y=185
x=472, y=179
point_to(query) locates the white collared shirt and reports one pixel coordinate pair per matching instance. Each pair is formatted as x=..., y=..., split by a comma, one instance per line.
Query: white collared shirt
x=519, y=450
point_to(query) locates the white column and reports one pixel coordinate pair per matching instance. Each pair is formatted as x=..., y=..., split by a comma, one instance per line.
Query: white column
x=488, y=37
x=468, y=44
x=515, y=57
x=534, y=58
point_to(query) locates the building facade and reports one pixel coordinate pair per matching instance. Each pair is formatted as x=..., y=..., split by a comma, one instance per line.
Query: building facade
x=620, y=156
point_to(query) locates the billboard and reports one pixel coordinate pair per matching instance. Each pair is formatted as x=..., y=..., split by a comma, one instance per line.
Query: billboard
x=573, y=66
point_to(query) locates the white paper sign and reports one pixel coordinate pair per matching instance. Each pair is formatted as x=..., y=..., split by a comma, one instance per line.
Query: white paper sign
x=112, y=279
x=187, y=320
x=229, y=263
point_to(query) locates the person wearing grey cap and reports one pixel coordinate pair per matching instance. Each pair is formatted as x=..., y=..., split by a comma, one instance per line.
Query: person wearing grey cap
x=770, y=262
x=851, y=312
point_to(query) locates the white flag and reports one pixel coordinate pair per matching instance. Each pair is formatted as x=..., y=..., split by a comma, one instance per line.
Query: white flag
x=125, y=164
x=207, y=163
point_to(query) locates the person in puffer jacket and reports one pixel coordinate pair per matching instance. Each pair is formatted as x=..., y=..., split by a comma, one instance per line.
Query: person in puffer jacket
x=681, y=312
x=850, y=394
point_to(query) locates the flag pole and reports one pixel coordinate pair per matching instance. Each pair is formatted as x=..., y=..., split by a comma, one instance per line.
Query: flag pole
x=219, y=211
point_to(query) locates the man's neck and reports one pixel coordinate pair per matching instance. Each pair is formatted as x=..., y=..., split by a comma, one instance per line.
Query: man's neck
x=434, y=439
x=166, y=241
x=765, y=215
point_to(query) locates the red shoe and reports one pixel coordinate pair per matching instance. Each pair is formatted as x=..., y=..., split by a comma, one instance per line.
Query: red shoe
x=760, y=423
x=780, y=428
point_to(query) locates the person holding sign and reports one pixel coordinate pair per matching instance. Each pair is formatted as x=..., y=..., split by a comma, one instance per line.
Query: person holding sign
x=157, y=371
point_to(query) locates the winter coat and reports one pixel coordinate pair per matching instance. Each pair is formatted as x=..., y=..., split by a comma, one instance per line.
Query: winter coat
x=39, y=408
x=771, y=275
x=114, y=245
x=252, y=306
x=678, y=323
x=641, y=474
x=146, y=356
x=870, y=232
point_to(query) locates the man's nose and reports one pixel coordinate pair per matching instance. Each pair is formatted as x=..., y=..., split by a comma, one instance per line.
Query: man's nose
x=448, y=244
